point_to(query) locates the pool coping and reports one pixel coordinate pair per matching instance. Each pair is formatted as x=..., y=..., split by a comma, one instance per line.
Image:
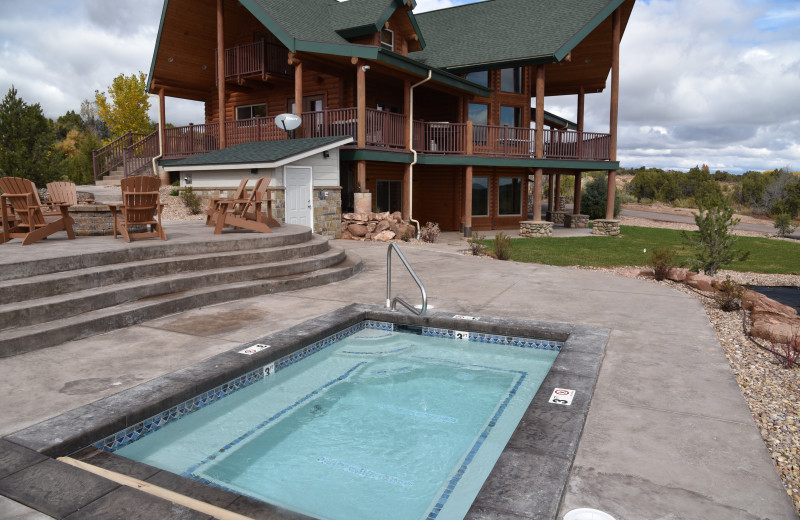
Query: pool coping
x=537, y=459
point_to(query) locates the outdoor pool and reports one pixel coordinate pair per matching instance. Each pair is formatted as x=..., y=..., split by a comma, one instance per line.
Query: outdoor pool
x=375, y=421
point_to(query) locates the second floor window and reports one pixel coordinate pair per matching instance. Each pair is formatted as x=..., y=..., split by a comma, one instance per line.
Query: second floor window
x=511, y=80
x=511, y=116
x=480, y=77
x=387, y=39
x=251, y=111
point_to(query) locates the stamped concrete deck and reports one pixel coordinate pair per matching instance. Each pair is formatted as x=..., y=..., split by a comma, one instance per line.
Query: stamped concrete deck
x=668, y=435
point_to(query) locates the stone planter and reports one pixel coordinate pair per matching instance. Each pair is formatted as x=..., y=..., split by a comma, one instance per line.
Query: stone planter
x=556, y=217
x=605, y=227
x=535, y=229
x=576, y=221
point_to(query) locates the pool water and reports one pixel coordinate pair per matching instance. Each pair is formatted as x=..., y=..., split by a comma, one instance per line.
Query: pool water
x=382, y=424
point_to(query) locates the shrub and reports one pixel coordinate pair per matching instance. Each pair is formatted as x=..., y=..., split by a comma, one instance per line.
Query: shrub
x=787, y=354
x=408, y=234
x=593, y=199
x=174, y=193
x=192, y=201
x=476, y=245
x=729, y=295
x=662, y=259
x=783, y=223
x=713, y=242
x=429, y=232
x=502, y=246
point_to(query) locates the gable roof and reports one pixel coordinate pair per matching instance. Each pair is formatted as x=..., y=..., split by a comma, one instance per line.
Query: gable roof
x=524, y=32
x=265, y=154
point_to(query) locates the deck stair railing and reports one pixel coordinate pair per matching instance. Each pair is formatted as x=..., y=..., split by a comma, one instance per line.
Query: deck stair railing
x=392, y=303
x=112, y=155
x=140, y=154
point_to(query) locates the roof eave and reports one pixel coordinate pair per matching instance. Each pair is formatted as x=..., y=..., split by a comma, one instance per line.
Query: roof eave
x=502, y=64
x=578, y=37
x=151, y=77
x=438, y=75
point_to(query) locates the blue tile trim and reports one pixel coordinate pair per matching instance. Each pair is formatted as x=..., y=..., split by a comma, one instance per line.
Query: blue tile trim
x=456, y=478
x=190, y=472
x=496, y=339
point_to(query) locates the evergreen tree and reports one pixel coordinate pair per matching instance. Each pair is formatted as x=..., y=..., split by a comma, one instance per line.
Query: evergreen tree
x=593, y=198
x=26, y=141
x=713, y=241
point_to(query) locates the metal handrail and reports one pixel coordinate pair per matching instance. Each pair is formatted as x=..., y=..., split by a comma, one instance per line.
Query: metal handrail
x=393, y=303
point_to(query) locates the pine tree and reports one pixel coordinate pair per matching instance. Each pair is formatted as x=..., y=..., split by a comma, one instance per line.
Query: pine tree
x=713, y=241
x=26, y=141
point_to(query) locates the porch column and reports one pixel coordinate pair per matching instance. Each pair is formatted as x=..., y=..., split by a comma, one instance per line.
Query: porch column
x=612, y=142
x=406, y=209
x=407, y=112
x=581, y=102
x=558, y=192
x=298, y=85
x=361, y=104
x=361, y=176
x=537, y=195
x=576, y=205
x=221, y=72
x=550, y=190
x=468, y=202
x=539, y=122
x=162, y=118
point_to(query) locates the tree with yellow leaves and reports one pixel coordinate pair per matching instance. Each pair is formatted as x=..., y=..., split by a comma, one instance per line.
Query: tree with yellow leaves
x=126, y=111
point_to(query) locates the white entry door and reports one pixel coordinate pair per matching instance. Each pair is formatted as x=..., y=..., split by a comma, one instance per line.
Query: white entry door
x=298, y=196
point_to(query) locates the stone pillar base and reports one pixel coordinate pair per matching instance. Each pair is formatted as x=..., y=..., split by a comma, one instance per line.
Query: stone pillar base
x=556, y=217
x=467, y=231
x=576, y=221
x=605, y=227
x=535, y=229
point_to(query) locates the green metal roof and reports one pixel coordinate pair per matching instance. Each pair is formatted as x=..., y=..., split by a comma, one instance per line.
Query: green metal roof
x=261, y=152
x=497, y=33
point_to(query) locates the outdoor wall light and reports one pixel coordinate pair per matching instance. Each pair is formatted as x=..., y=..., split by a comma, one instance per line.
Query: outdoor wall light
x=365, y=68
x=253, y=171
x=326, y=154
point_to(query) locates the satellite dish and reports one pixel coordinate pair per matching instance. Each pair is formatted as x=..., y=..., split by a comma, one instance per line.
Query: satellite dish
x=288, y=121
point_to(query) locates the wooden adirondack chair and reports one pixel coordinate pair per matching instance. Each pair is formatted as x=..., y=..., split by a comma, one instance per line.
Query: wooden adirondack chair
x=140, y=207
x=31, y=223
x=213, y=208
x=245, y=212
x=261, y=194
x=63, y=192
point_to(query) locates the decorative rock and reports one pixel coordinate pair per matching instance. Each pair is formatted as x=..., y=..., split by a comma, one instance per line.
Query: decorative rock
x=383, y=236
x=382, y=226
x=701, y=282
x=346, y=235
x=535, y=229
x=775, y=332
x=679, y=275
x=763, y=308
x=606, y=227
x=357, y=230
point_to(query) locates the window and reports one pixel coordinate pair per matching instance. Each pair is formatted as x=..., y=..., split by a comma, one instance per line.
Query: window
x=310, y=104
x=387, y=39
x=480, y=196
x=251, y=111
x=479, y=115
x=389, y=196
x=481, y=77
x=509, y=196
x=511, y=80
x=511, y=116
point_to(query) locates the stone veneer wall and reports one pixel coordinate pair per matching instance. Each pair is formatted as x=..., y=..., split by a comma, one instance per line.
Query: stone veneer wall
x=328, y=211
x=605, y=227
x=556, y=217
x=92, y=220
x=576, y=221
x=535, y=229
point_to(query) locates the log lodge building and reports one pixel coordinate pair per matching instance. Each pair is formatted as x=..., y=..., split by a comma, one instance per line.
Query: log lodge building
x=442, y=113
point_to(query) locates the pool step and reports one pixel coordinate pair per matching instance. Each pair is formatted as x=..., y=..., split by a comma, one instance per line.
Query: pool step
x=76, y=300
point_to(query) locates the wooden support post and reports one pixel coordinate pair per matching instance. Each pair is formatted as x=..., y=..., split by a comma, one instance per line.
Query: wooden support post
x=407, y=113
x=468, y=201
x=298, y=86
x=221, y=72
x=162, y=117
x=581, y=110
x=361, y=105
x=361, y=177
x=612, y=141
x=610, y=194
x=558, y=193
x=551, y=206
x=537, y=195
x=576, y=205
x=406, y=208
x=469, y=145
x=539, y=125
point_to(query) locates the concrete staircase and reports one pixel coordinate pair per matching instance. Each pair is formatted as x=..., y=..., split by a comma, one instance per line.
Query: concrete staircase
x=112, y=178
x=50, y=301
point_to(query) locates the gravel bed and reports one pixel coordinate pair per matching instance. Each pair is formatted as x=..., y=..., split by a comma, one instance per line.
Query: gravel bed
x=771, y=391
x=174, y=208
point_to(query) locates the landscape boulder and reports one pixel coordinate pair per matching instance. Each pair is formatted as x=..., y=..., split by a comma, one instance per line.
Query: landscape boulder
x=381, y=227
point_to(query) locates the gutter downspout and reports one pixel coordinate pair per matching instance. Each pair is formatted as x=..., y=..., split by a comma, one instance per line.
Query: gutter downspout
x=411, y=143
x=160, y=130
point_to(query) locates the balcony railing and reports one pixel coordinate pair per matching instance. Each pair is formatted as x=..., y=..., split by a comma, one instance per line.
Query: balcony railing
x=258, y=58
x=384, y=130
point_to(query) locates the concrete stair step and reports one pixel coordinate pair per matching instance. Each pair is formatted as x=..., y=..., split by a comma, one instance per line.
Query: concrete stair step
x=42, y=310
x=140, y=251
x=34, y=337
x=53, y=284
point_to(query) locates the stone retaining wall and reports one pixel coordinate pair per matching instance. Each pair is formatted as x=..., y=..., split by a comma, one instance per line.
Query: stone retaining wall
x=535, y=229
x=605, y=227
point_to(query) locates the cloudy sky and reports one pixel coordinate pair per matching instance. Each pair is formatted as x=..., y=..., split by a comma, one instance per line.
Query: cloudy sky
x=711, y=81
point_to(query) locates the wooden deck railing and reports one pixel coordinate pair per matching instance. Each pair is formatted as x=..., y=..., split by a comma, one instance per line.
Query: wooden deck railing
x=384, y=130
x=256, y=58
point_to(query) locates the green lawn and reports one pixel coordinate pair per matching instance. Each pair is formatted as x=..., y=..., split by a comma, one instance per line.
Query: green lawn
x=766, y=255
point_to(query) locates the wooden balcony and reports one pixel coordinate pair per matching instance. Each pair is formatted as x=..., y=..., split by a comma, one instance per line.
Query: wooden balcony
x=384, y=131
x=259, y=59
